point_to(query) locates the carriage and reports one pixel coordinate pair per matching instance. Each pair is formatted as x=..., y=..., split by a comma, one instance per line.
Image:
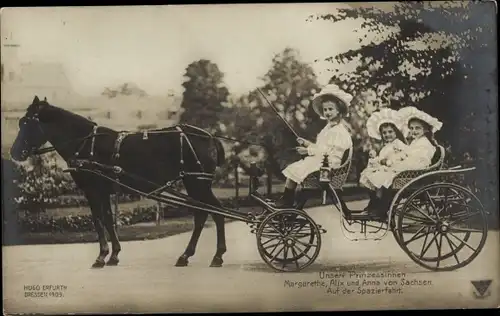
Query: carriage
x=434, y=200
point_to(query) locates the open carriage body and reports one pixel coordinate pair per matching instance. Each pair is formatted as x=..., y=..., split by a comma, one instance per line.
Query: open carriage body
x=433, y=215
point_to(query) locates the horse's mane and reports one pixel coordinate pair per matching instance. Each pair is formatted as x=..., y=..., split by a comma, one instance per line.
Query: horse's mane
x=59, y=113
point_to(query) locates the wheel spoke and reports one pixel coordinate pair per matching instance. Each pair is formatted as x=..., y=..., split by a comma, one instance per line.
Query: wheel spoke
x=439, y=244
x=276, y=255
x=465, y=217
x=294, y=253
x=432, y=204
x=445, y=203
x=428, y=246
x=464, y=230
x=299, y=227
x=426, y=215
x=285, y=255
x=418, y=219
x=463, y=241
x=268, y=235
x=276, y=246
x=273, y=245
x=450, y=243
x=302, y=243
x=416, y=238
x=277, y=230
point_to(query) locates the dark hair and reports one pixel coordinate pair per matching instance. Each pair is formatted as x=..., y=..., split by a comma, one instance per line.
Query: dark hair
x=341, y=106
x=427, y=130
x=399, y=134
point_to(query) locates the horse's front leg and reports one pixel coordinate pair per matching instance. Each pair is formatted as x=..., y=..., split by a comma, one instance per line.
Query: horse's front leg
x=110, y=227
x=200, y=218
x=96, y=210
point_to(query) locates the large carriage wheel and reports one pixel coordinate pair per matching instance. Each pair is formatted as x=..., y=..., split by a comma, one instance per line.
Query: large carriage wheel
x=409, y=228
x=288, y=240
x=396, y=211
x=440, y=225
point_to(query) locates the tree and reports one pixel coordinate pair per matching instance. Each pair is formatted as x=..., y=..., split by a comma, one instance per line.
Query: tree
x=289, y=85
x=438, y=56
x=204, y=95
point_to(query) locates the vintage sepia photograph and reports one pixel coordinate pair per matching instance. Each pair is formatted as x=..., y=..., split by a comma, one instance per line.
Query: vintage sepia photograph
x=250, y=157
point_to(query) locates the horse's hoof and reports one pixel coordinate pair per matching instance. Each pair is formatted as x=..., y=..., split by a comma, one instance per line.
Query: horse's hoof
x=182, y=262
x=216, y=262
x=113, y=261
x=98, y=264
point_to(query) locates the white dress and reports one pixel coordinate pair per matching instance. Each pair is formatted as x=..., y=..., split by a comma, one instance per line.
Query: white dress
x=389, y=152
x=332, y=140
x=417, y=155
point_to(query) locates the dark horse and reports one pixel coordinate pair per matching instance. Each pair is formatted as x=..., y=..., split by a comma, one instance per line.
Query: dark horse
x=158, y=156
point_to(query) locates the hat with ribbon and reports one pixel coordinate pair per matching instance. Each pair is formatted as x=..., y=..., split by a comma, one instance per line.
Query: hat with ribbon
x=410, y=112
x=333, y=90
x=384, y=115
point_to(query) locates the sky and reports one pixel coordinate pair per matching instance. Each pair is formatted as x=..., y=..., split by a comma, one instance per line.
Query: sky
x=152, y=45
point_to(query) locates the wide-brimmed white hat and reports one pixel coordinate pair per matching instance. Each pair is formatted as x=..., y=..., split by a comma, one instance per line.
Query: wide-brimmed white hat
x=330, y=89
x=411, y=112
x=384, y=115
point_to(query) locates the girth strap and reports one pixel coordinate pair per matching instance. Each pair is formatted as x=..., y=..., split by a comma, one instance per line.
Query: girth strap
x=118, y=144
x=183, y=136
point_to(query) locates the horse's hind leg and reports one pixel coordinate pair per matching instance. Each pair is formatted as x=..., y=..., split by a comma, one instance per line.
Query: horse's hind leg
x=96, y=209
x=200, y=218
x=221, y=239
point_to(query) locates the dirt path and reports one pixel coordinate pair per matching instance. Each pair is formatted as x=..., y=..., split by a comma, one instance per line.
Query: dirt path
x=147, y=281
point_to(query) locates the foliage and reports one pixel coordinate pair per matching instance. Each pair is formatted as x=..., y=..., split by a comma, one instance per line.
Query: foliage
x=436, y=56
x=42, y=184
x=84, y=223
x=204, y=95
x=289, y=85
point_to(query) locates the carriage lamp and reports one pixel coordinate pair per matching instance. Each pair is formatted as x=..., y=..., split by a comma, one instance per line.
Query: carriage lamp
x=324, y=171
x=324, y=176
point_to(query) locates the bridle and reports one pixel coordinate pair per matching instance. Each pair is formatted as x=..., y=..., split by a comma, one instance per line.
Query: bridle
x=41, y=151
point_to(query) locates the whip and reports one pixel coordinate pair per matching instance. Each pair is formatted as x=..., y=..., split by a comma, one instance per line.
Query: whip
x=277, y=113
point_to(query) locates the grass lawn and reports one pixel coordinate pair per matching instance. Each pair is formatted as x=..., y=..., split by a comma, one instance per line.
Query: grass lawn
x=125, y=233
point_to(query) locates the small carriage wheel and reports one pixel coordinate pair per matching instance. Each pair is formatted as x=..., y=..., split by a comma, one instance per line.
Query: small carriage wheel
x=442, y=221
x=295, y=256
x=288, y=240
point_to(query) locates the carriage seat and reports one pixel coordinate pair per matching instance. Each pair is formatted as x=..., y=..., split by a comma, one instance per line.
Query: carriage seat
x=406, y=176
x=338, y=176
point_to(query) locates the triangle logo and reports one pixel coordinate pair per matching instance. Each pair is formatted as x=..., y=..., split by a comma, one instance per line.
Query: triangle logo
x=481, y=286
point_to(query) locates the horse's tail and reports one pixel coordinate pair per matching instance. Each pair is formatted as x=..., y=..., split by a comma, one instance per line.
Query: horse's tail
x=221, y=154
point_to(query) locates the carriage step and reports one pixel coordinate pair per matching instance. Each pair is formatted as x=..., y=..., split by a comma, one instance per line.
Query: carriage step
x=365, y=217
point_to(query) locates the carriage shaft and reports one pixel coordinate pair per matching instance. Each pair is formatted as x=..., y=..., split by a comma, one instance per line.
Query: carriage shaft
x=181, y=200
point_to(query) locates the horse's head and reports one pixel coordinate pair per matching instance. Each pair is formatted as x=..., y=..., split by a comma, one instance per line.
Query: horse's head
x=30, y=136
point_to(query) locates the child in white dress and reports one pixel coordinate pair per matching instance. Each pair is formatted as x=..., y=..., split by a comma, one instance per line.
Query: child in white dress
x=382, y=125
x=334, y=139
x=418, y=155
